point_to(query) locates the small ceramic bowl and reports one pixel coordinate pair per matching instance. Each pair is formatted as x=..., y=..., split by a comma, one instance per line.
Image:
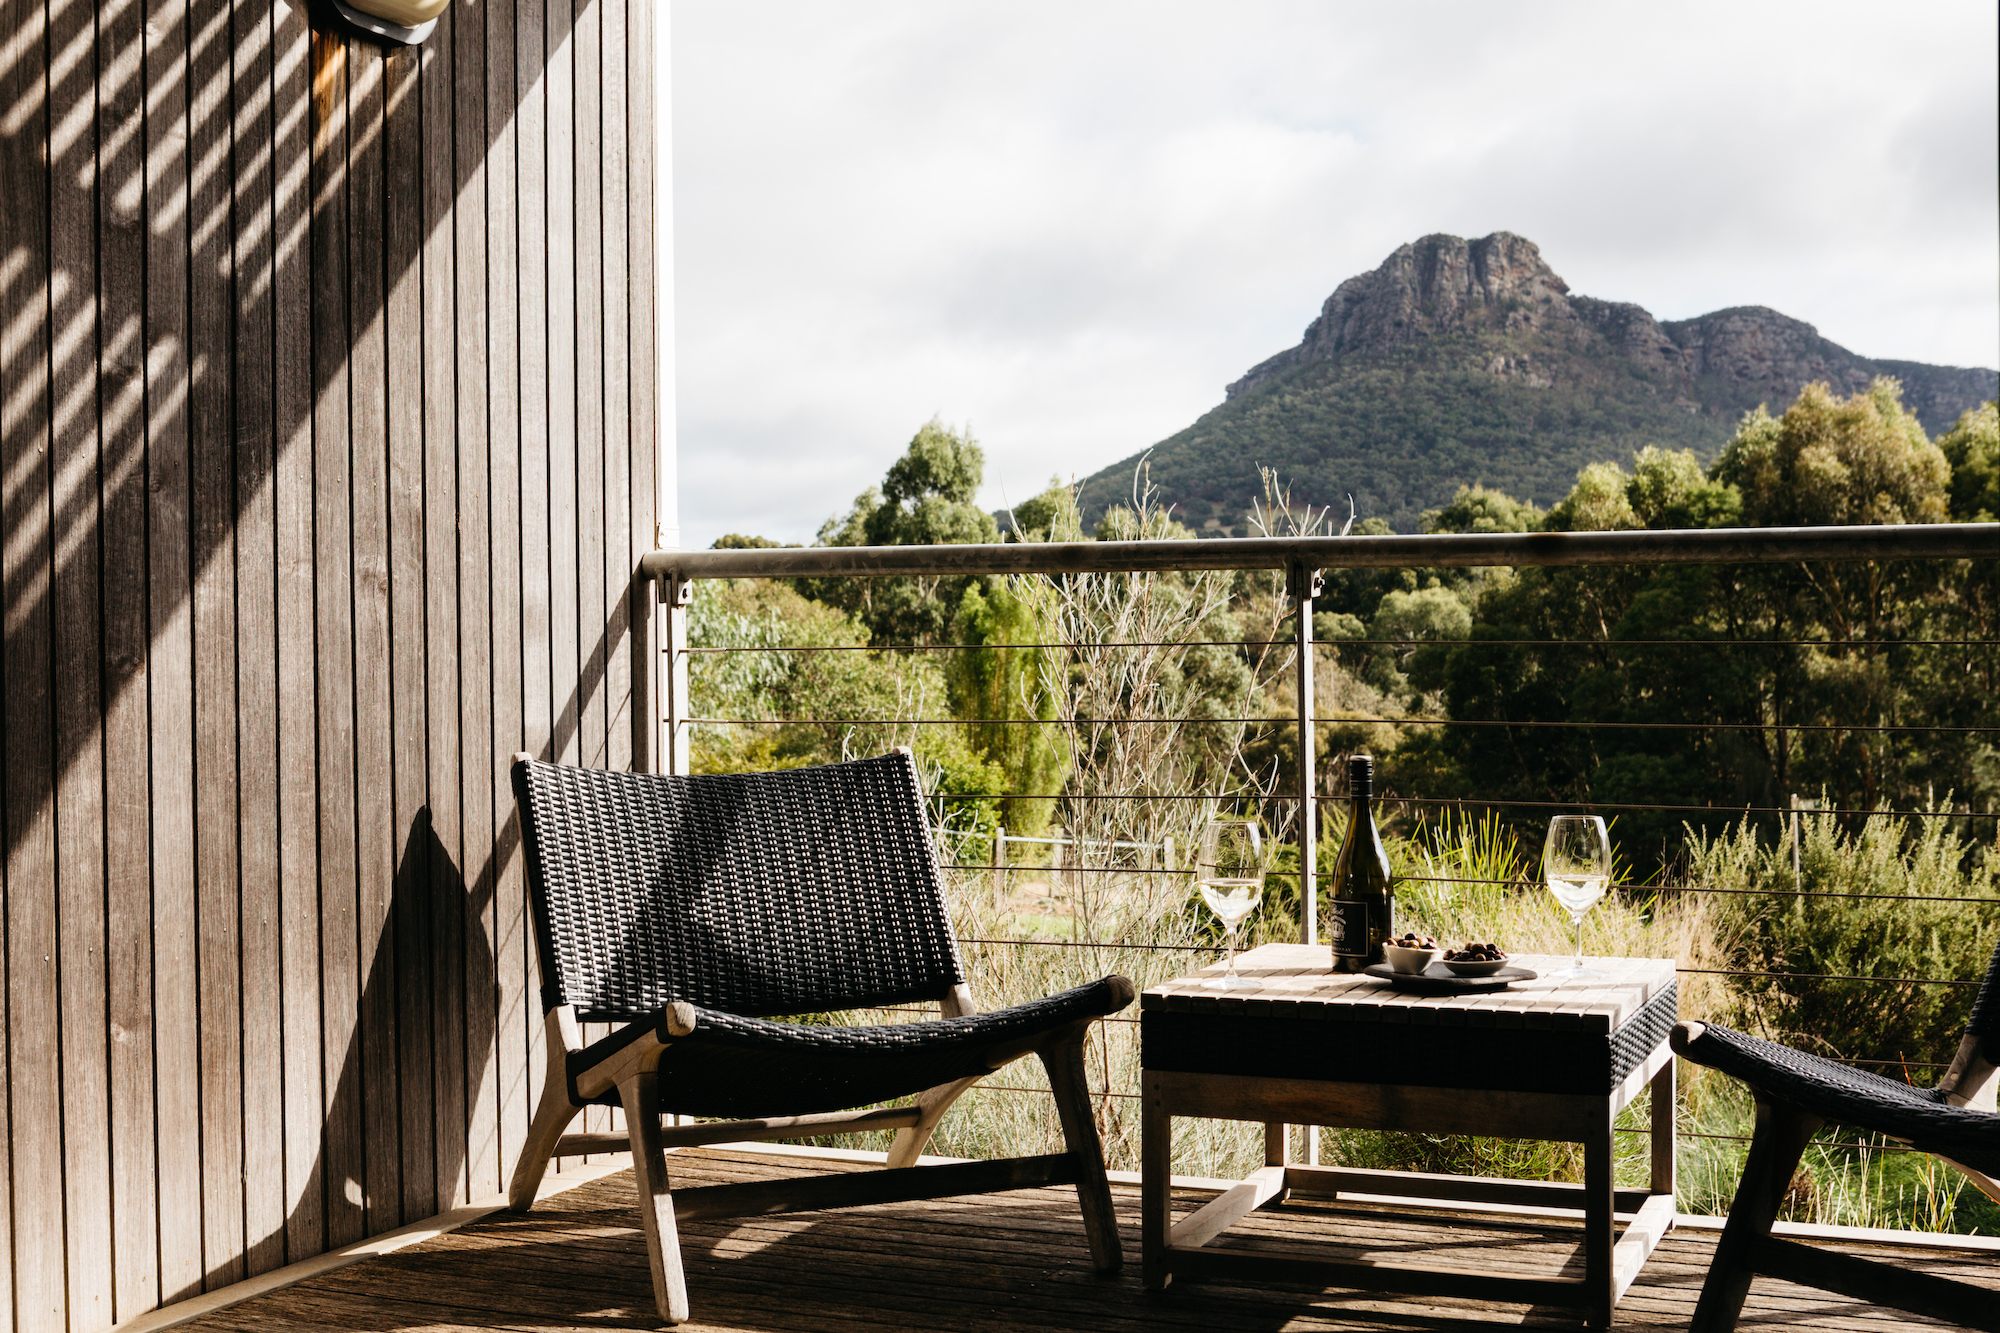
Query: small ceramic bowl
x=1485, y=969
x=1410, y=960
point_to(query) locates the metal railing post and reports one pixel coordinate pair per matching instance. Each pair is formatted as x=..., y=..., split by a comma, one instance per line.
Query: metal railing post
x=647, y=626
x=1797, y=881
x=1304, y=585
x=1799, y=803
x=999, y=866
x=676, y=595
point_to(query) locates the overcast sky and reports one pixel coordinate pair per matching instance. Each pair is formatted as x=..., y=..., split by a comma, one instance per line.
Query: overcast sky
x=1071, y=224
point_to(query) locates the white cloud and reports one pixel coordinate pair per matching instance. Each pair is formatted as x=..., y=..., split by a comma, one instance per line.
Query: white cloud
x=1072, y=224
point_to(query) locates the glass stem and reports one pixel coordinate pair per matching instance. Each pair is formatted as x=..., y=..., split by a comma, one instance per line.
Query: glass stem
x=1579, y=941
x=1229, y=963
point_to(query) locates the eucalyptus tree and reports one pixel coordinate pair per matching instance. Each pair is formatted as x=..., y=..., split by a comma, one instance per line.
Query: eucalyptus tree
x=926, y=499
x=1747, y=682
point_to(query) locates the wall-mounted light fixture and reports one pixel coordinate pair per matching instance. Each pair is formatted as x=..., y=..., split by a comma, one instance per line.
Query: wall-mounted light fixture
x=397, y=22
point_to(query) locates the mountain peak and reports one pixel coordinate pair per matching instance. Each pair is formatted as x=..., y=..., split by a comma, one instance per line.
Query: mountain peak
x=1437, y=285
x=1456, y=362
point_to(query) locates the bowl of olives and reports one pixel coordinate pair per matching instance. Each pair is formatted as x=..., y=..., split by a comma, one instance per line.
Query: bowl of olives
x=1475, y=959
x=1412, y=953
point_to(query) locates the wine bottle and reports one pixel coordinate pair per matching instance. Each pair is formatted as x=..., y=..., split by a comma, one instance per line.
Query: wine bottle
x=1361, y=915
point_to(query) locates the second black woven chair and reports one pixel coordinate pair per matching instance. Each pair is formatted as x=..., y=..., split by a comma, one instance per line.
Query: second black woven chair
x=689, y=910
x=1796, y=1094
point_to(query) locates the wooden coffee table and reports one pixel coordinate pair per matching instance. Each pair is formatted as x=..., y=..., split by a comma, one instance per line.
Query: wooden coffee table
x=1539, y=1060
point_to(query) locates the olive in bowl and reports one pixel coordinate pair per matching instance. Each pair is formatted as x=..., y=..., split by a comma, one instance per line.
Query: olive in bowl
x=1475, y=960
x=1412, y=953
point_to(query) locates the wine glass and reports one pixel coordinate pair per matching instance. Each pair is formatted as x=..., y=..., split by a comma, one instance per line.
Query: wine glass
x=1230, y=871
x=1576, y=862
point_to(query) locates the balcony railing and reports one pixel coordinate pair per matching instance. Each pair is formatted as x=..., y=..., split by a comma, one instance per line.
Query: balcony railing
x=1302, y=561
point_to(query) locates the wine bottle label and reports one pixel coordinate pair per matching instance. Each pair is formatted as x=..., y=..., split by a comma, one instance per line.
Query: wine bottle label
x=1347, y=925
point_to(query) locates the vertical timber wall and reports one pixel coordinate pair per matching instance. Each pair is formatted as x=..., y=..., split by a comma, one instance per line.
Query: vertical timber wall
x=326, y=386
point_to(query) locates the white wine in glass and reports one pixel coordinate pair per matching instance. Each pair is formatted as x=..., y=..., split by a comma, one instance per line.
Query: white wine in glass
x=1230, y=871
x=1576, y=862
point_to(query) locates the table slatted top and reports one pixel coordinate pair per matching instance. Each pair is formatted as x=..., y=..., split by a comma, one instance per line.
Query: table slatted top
x=1295, y=981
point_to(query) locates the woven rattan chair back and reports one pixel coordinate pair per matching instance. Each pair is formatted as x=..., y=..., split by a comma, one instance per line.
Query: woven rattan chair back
x=1986, y=1010
x=755, y=893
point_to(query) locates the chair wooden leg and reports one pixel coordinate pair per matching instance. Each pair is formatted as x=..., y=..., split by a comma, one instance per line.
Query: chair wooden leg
x=640, y=1095
x=1064, y=1061
x=552, y=1117
x=1982, y=1182
x=933, y=1103
x=1775, y=1148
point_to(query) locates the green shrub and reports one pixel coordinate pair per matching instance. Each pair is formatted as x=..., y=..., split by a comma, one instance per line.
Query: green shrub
x=1863, y=923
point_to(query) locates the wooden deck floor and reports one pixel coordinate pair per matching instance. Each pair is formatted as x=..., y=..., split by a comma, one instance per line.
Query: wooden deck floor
x=966, y=1266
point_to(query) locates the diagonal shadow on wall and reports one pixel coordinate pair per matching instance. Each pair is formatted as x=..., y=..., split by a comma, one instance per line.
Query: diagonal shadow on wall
x=304, y=392
x=407, y=996
x=94, y=401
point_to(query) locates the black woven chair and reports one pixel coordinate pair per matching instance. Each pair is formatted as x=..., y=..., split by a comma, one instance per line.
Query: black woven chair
x=1796, y=1094
x=690, y=909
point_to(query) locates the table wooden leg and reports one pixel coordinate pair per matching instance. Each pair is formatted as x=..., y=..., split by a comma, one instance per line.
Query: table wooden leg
x=1278, y=1150
x=1599, y=1230
x=1156, y=1178
x=1664, y=1130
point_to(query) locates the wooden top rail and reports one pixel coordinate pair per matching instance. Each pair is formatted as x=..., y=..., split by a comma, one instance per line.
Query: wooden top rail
x=1908, y=541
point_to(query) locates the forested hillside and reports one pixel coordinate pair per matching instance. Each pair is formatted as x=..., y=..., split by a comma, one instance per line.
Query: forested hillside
x=1463, y=363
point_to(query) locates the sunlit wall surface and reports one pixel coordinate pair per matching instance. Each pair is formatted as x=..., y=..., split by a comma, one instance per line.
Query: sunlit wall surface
x=327, y=384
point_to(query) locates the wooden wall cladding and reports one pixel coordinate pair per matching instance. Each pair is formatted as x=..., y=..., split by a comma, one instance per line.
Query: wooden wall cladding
x=325, y=388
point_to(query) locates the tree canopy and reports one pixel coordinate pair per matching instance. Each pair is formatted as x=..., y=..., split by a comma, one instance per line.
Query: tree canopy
x=926, y=499
x=1793, y=678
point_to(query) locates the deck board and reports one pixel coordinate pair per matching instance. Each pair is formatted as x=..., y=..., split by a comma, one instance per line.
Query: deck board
x=1014, y=1260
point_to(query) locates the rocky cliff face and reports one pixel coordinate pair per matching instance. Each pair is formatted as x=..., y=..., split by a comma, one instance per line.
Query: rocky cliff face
x=1940, y=394
x=1746, y=355
x=1632, y=333
x=1751, y=354
x=1438, y=285
x=1499, y=286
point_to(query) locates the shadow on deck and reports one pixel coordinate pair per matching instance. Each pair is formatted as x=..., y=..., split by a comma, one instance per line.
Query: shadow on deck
x=997, y=1262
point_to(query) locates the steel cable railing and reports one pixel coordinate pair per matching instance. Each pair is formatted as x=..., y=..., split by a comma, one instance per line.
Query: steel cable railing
x=1351, y=643
x=1458, y=802
x=1931, y=729
x=1747, y=973
x=1515, y=883
x=1646, y=1130
x=1500, y=801
x=1960, y=542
